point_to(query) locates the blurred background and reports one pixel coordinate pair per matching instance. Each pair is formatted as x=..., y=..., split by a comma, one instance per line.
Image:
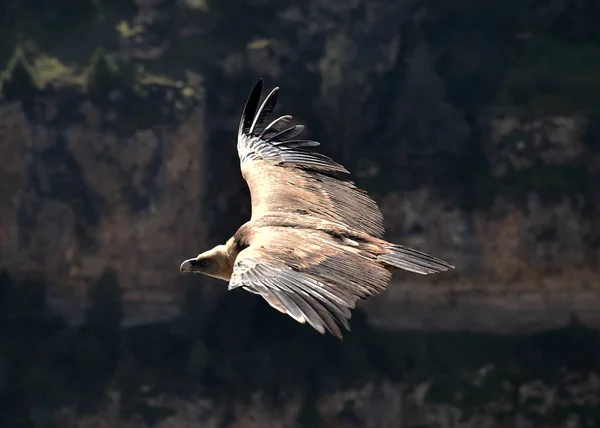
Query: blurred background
x=474, y=124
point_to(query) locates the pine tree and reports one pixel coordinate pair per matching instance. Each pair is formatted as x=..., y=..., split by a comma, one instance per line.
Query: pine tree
x=18, y=81
x=102, y=74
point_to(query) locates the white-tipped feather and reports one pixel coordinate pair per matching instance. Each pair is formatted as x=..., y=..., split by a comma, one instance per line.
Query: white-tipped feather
x=260, y=109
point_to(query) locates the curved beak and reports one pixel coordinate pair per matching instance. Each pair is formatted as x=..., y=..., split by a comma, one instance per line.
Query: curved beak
x=187, y=266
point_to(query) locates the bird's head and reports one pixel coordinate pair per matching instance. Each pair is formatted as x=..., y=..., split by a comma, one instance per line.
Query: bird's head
x=215, y=263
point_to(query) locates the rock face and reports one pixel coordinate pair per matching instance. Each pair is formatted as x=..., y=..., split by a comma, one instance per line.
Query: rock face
x=85, y=199
x=527, y=262
x=475, y=129
x=383, y=405
x=129, y=171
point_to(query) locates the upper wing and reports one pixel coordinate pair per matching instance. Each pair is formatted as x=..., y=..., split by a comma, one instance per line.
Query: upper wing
x=309, y=275
x=285, y=175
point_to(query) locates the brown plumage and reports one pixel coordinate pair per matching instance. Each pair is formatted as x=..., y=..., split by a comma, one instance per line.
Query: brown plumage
x=314, y=244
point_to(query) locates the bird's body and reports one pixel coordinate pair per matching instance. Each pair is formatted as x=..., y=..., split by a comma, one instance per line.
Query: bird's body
x=314, y=243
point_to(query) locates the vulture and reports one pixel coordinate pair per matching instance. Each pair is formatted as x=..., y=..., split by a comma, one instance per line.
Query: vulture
x=314, y=243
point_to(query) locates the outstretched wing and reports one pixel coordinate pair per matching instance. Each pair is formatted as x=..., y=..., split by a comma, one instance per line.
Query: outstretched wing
x=309, y=275
x=284, y=174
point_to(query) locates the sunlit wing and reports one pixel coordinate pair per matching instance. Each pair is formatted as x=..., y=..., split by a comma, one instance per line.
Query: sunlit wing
x=302, y=270
x=309, y=275
x=284, y=174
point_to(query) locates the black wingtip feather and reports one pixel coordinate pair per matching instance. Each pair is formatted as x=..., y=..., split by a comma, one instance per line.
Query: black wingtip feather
x=264, y=111
x=251, y=126
x=274, y=127
x=251, y=107
x=295, y=144
x=287, y=134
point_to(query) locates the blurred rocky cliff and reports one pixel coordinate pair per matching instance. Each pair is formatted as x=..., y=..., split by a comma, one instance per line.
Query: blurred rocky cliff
x=101, y=175
x=125, y=160
x=476, y=130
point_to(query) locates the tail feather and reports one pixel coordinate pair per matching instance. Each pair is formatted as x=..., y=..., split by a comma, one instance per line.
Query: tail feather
x=412, y=260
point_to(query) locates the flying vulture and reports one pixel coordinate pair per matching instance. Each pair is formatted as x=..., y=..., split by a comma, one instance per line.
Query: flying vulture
x=314, y=244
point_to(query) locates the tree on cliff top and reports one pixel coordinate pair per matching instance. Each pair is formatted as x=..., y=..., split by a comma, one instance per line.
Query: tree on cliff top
x=426, y=120
x=18, y=81
x=102, y=74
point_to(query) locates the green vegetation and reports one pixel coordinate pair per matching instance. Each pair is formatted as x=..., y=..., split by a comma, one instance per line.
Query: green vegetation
x=309, y=415
x=552, y=76
x=130, y=96
x=102, y=75
x=551, y=182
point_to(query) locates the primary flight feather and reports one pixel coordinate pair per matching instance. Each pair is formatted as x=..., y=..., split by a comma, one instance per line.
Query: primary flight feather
x=314, y=243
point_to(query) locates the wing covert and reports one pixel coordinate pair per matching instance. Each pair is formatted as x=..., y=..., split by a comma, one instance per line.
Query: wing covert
x=308, y=275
